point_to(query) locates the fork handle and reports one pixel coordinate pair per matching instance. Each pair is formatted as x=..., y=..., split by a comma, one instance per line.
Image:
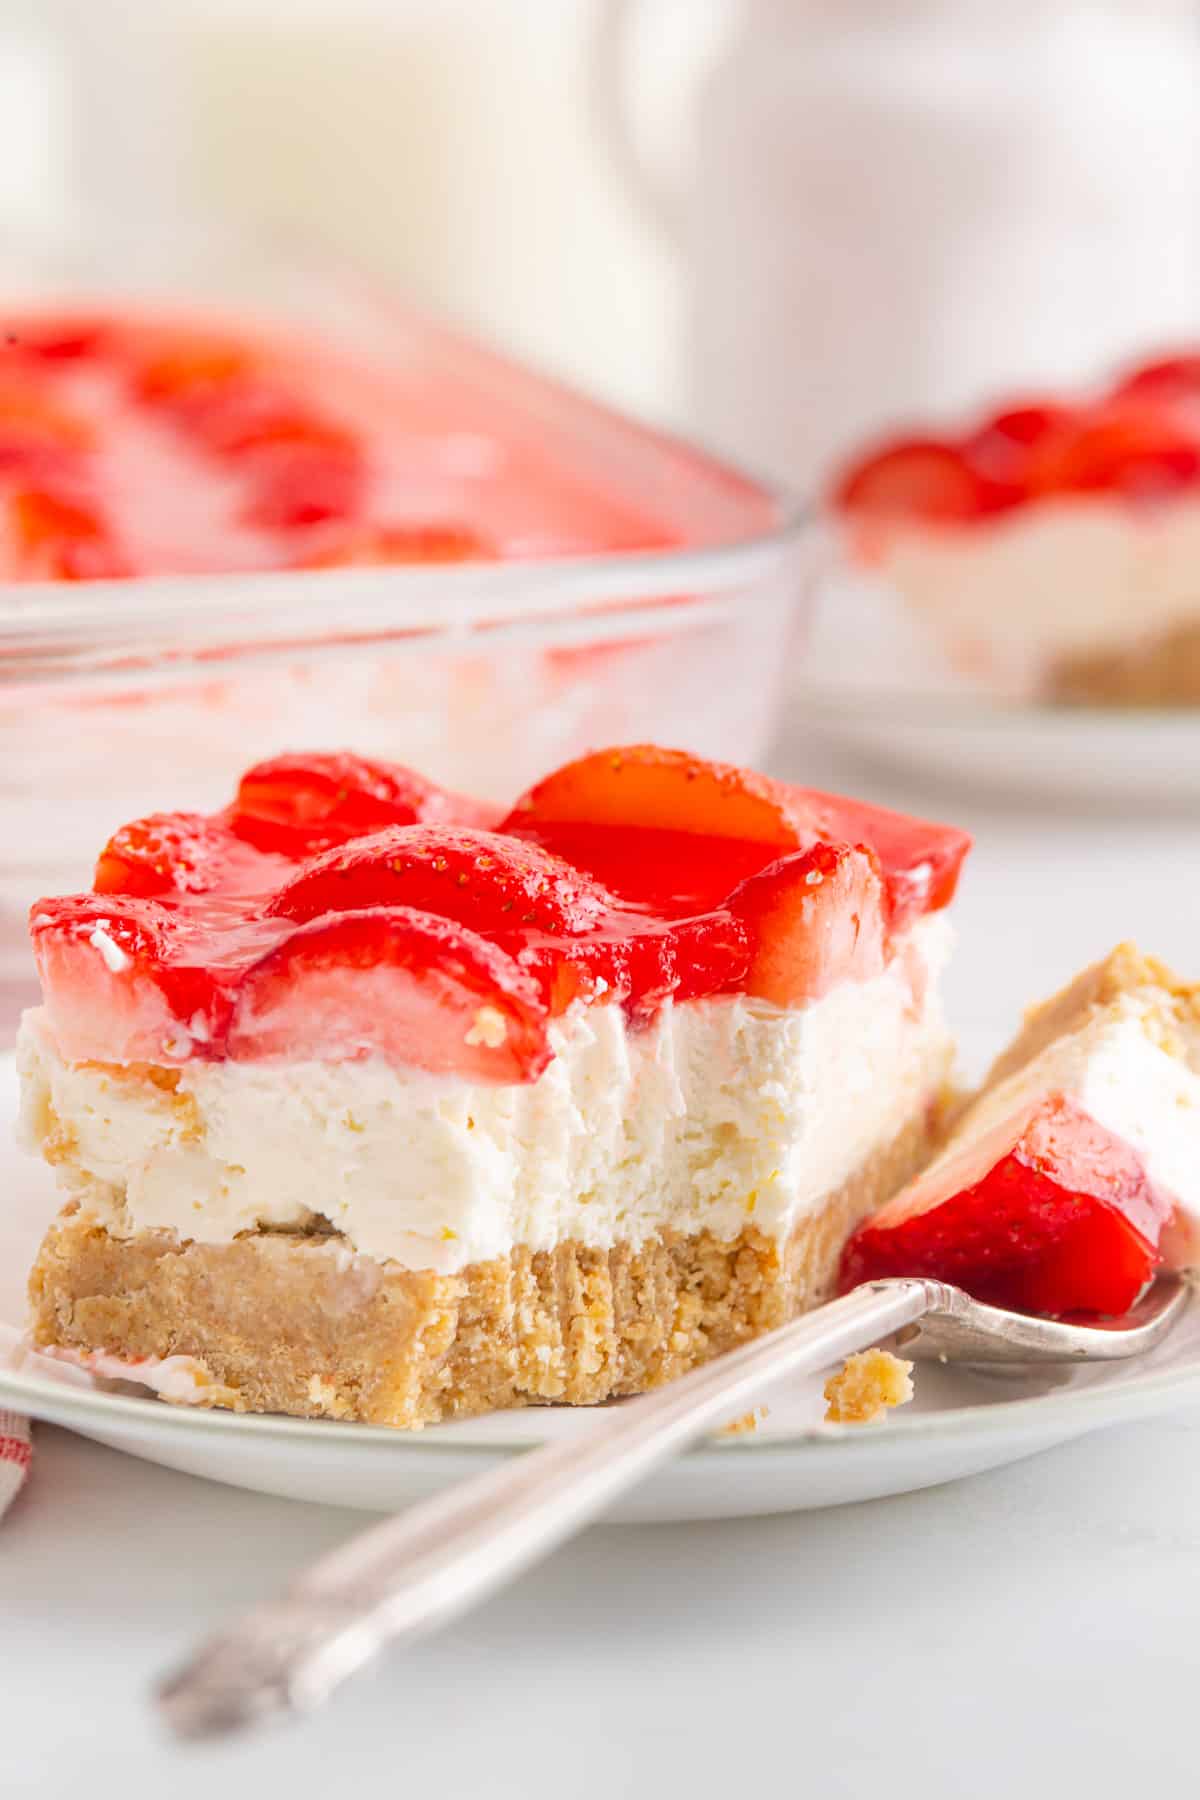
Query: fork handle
x=417, y=1571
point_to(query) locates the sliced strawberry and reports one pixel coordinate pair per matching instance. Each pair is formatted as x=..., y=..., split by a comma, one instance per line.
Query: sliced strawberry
x=919, y=478
x=1021, y=426
x=480, y=878
x=298, y=804
x=120, y=984
x=666, y=790
x=178, y=370
x=298, y=485
x=182, y=853
x=61, y=338
x=29, y=421
x=813, y=919
x=999, y=451
x=1168, y=378
x=238, y=417
x=1047, y=1213
x=921, y=860
x=52, y=539
x=636, y=964
x=377, y=544
x=392, y=982
x=678, y=832
x=709, y=955
x=1139, y=451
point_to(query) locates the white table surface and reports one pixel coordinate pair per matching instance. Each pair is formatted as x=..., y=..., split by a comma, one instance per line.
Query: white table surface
x=1029, y=1632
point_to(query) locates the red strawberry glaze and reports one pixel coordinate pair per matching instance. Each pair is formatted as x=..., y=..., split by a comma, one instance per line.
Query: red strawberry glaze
x=341, y=907
x=1048, y=1213
x=664, y=826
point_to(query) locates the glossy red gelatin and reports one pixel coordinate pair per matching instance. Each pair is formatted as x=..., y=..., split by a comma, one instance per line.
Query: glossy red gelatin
x=1049, y=1213
x=341, y=908
x=138, y=444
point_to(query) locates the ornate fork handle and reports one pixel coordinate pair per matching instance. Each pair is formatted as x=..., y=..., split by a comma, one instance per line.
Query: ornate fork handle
x=421, y=1569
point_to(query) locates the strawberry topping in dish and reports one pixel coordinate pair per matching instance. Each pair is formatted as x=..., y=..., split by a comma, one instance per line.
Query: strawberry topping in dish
x=141, y=444
x=1138, y=441
x=341, y=908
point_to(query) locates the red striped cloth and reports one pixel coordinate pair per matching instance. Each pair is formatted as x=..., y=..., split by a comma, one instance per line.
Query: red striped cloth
x=14, y=1456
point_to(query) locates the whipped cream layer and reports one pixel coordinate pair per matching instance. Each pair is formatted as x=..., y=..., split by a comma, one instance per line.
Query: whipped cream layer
x=1011, y=596
x=721, y=1114
x=1139, y=1082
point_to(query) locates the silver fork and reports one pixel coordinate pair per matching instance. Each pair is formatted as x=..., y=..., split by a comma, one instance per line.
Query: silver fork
x=416, y=1572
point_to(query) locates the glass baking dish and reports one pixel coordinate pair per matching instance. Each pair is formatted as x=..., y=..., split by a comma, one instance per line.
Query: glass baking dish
x=119, y=698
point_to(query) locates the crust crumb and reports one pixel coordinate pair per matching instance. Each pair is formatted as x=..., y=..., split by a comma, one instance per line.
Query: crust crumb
x=748, y=1422
x=862, y=1391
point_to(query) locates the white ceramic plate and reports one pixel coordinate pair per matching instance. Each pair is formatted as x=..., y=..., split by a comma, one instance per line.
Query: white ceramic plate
x=959, y=1424
x=873, y=681
x=1139, y=756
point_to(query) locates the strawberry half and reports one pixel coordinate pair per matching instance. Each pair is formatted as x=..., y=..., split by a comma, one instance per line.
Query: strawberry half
x=298, y=804
x=628, y=815
x=671, y=790
x=239, y=417
x=638, y=966
x=1174, y=379
x=182, y=853
x=920, y=859
x=812, y=920
x=480, y=878
x=1048, y=1213
x=1140, y=451
x=296, y=485
x=914, y=478
x=52, y=539
x=123, y=984
x=999, y=451
x=181, y=370
x=422, y=991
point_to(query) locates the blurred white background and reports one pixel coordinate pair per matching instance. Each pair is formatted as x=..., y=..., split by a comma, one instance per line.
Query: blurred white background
x=446, y=143
x=867, y=208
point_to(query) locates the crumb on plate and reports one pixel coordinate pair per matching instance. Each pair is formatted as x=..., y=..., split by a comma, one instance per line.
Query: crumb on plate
x=748, y=1422
x=866, y=1386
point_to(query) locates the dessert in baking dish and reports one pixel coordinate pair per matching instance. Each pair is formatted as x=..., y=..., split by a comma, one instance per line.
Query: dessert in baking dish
x=1074, y=1174
x=1054, y=548
x=369, y=1102
x=140, y=443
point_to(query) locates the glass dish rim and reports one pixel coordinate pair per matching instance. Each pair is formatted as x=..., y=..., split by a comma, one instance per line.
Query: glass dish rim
x=159, y=634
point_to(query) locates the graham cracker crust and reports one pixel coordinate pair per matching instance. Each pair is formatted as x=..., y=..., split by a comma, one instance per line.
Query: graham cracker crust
x=282, y=1322
x=1164, y=671
x=1172, y=1009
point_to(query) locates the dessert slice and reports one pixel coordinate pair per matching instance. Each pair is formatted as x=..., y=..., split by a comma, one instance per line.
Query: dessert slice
x=370, y=1104
x=1075, y=1172
x=1053, y=546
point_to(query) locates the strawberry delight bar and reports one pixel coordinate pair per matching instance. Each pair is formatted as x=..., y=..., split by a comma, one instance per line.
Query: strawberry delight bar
x=1053, y=547
x=371, y=1103
x=1074, y=1174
